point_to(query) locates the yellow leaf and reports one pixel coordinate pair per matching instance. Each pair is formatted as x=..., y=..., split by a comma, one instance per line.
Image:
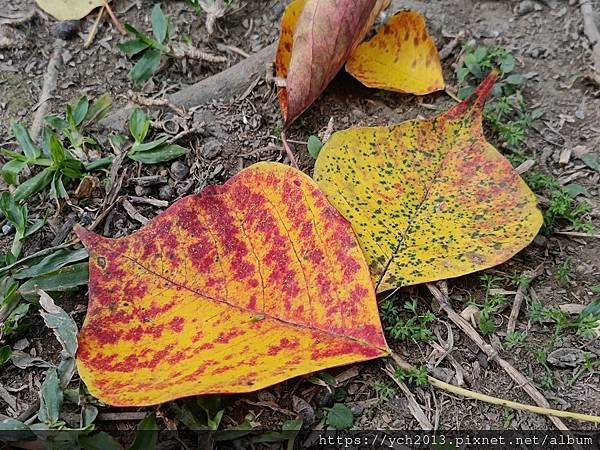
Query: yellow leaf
x=429, y=199
x=286, y=37
x=69, y=9
x=234, y=289
x=401, y=57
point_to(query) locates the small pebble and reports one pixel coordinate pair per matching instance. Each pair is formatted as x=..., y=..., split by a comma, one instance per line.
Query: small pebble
x=7, y=229
x=357, y=408
x=67, y=29
x=324, y=398
x=166, y=192
x=211, y=148
x=179, y=170
x=142, y=191
x=540, y=241
x=527, y=6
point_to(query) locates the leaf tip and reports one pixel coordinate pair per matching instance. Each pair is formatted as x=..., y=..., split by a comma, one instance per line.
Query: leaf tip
x=88, y=238
x=473, y=105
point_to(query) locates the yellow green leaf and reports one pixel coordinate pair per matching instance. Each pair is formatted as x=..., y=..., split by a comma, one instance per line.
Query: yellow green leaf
x=401, y=57
x=70, y=9
x=234, y=289
x=429, y=199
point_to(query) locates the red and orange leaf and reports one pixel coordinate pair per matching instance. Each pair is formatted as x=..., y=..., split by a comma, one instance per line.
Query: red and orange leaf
x=429, y=199
x=401, y=57
x=234, y=289
x=325, y=32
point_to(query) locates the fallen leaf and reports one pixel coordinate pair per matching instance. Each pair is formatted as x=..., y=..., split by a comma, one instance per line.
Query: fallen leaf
x=429, y=199
x=70, y=9
x=401, y=57
x=317, y=37
x=289, y=20
x=63, y=325
x=23, y=360
x=232, y=290
x=51, y=398
x=592, y=160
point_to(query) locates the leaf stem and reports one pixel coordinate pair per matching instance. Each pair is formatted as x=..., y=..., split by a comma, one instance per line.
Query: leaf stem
x=114, y=19
x=289, y=151
x=17, y=245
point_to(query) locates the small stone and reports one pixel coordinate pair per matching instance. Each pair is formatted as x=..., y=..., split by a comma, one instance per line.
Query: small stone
x=166, y=192
x=21, y=344
x=266, y=396
x=211, y=148
x=566, y=357
x=324, y=398
x=526, y=6
x=357, y=409
x=179, y=170
x=7, y=229
x=540, y=241
x=67, y=29
x=142, y=191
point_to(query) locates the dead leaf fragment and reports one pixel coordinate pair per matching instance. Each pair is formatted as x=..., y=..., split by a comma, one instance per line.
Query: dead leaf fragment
x=401, y=57
x=429, y=199
x=70, y=9
x=232, y=290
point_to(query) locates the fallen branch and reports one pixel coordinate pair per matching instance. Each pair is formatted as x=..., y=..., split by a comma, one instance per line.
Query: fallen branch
x=518, y=377
x=591, y=31
x=552, y=413
x=224, y=86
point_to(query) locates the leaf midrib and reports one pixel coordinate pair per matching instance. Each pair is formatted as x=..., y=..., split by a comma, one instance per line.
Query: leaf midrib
x=247, y=310
x=412, y=219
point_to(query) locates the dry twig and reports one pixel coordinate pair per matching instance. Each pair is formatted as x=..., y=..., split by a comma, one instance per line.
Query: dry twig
x=94, y=29
x=577, y=234
x=114, y=19
x=522, y=381
x=520, y=295
x=413, y=406
x=49, y=85
x=134, y=213
x=289, y=150
x=447, y=50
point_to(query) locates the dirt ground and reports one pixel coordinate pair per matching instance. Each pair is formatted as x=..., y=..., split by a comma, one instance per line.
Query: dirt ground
x=551, y=50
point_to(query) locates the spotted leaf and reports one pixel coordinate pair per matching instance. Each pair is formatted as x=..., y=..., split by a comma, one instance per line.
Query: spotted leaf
x=429, y=199
x=316, y=39
x=231, y=290
x=401, y=57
